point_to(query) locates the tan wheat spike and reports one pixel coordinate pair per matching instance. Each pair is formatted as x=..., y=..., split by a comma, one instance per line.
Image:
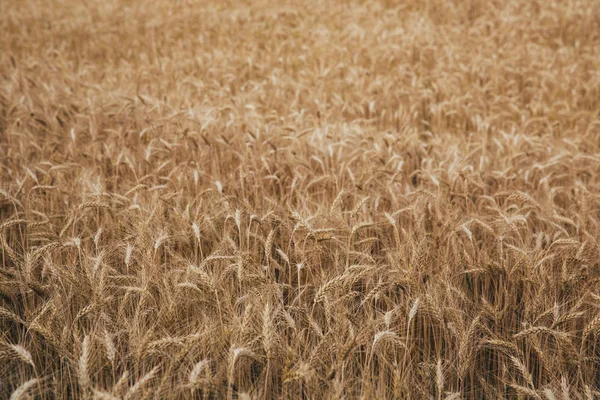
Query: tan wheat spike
x=358, y=206
x=269, y=244
x=9, y=315
x=268, y=330
x=565, y=242
x=10, y=223
x=135, y=189
x=537, y=330
x=502, y=345
x=439, y=379
x=162, y=345
x=386, y=335
x=465, y=350
x=92, y=204
x=525, y=198
x=121, y=383
x=84, y=359
x=329, y=285
x=143, y=381
x=110, y=348
x=522, y=370
x=359, y=226
x=199, y=368
x=549, y=394
x=8, y=250
x=22, y=390
x=101, y=395
x=592, y=327
x=568, y=317
x=336, y=204
x=84, y=311
x=526, y=391
x=21, y=353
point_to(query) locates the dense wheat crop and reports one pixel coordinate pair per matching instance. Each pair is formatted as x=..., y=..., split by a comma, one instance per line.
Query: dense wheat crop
x=300, y=199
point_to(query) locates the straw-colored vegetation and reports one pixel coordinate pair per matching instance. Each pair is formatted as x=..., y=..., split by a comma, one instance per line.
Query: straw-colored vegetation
x=300, y=199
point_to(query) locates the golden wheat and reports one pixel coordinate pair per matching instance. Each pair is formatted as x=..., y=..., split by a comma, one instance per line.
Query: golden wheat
x=284, y=199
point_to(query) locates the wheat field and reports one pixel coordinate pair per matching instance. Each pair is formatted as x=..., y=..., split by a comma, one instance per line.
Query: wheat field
x=287, y=199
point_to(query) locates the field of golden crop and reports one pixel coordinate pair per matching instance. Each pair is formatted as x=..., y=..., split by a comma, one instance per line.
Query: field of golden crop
x=318, y=199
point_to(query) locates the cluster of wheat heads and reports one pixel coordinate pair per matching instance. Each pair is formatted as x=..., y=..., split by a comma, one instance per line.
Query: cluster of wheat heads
x=299, y=199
